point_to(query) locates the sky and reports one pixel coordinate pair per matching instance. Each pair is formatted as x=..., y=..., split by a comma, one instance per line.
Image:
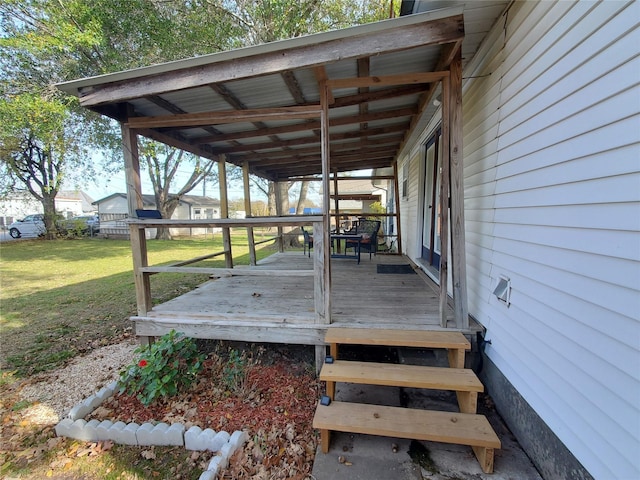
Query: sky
x=103, y=186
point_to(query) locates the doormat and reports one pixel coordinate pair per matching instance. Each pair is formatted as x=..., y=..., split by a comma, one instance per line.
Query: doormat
x=382, y=268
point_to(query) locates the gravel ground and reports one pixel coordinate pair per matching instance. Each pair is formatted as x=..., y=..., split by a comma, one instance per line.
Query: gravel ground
x=55, y=393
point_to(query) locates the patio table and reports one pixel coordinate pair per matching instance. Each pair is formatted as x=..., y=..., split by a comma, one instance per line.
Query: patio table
x=352, y=238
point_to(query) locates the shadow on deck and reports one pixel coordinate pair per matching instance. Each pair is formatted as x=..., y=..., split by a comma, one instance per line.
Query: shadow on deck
x=280, y=309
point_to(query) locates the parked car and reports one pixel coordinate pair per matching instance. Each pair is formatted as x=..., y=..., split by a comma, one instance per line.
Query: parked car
x=29, y=226
x=80, y=225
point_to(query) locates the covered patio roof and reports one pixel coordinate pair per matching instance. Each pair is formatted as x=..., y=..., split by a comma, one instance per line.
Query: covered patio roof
x=259, y=107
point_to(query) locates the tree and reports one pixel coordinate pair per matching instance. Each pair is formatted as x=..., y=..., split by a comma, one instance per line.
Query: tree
x=48, y=41
x=162, y=163
x=40, y=142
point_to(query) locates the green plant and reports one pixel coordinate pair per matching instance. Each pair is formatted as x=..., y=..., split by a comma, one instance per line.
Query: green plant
x=163, y=368
x=234, y=373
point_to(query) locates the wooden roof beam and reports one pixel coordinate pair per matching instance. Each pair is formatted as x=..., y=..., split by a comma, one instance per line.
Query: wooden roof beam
x=353, y=142
x=227, y=116
x=299, y=127
x=269, y=60
x=348, y=155
x=358, y=145
x=313, y=168
x=388, y=80
x=180, y=143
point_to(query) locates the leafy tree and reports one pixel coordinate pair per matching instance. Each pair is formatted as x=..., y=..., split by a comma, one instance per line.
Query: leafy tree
x=46, y=41
x=39, y=142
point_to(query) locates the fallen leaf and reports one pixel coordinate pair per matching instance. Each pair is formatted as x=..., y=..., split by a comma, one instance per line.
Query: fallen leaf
x=148, y=454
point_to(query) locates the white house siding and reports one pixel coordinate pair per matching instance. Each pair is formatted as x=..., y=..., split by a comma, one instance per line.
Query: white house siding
x=551, y=118
x=410, y=205
x=552, y=201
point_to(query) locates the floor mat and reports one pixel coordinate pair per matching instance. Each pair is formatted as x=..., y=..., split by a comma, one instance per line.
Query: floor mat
x=395, y=269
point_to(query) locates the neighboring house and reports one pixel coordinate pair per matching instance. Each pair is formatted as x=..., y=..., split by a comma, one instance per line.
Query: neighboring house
x=69, y=203
x=113, y=210
x=355, y=196
x=552, y=190
x=549, y=182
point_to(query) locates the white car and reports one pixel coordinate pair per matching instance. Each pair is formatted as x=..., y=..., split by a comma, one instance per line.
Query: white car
x=29, y=226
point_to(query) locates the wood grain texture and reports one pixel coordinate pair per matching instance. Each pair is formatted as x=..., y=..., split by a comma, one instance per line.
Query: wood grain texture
x=446, y=427
x=405, y=338
x=413, y=376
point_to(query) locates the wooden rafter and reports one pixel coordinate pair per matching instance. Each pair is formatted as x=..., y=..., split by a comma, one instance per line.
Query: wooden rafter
x=221, y=117
x=301, y=127
x=386, y=80
x=308, y=144
x=437, y=32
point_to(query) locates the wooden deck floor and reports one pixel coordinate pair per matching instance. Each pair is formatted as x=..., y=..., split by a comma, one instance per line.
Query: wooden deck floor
x=281, y=308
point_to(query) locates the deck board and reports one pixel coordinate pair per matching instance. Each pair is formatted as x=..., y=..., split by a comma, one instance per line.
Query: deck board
x=360, y=297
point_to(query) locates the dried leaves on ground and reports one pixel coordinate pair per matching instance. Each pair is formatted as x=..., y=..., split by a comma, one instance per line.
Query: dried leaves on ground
x=274, y=404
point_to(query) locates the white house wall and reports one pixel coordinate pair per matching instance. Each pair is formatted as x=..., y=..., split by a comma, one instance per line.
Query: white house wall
x=552, y=201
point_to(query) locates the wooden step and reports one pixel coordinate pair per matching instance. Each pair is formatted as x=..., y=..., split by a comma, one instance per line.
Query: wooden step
x=446, y=427
x=454, y=342
x=463, y=381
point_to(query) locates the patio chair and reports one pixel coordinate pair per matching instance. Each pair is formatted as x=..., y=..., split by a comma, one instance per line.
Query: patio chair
x=308, y=242
x=369, y=231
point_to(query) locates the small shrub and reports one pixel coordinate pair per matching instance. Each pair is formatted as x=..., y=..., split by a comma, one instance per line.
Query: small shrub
x=234, y=373
x=162, y=369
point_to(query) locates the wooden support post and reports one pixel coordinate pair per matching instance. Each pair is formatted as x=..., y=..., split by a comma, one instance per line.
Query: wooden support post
x=224, y=210
x=458, y=256
x=278, y=192
x=325, y=438
x=456, y=357
x=319, y=272
x=136, y=233
x=247, y=209
x=467, y=401
x=326, y=168
x=443, y=216
x=336, y=211
x=485, y=458
x=336, y=202
x=321, y=353
x=396, y=191
x=318, y=287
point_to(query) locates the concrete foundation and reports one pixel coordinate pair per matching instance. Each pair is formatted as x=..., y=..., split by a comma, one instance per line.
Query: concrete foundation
x=550, y=456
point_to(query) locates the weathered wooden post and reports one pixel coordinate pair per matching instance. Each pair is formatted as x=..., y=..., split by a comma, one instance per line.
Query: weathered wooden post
x=224, y=210
x=247, y=209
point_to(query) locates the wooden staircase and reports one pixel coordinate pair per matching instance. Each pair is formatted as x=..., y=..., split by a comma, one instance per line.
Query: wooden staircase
x=464, y=428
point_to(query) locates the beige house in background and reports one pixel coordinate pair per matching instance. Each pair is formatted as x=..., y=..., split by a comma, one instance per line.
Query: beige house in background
x=69, y=203
x=113, y=210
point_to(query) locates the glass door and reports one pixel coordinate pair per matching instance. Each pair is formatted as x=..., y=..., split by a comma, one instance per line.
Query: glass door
x=431, y=224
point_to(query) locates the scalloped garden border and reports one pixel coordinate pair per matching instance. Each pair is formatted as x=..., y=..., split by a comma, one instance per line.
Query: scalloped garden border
x=148, y=434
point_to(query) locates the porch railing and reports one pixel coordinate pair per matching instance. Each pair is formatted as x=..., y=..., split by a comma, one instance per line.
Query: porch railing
x=143, y=271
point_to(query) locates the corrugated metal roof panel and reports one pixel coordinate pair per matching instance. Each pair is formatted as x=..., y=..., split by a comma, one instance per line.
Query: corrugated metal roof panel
x=189, y=98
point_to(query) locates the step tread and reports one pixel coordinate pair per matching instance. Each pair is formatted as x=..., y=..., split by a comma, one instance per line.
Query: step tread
x=414, y=376
x=397, y=338
x=446, y=427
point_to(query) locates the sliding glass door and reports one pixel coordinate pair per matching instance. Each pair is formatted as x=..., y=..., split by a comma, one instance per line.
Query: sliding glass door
x=431, y=225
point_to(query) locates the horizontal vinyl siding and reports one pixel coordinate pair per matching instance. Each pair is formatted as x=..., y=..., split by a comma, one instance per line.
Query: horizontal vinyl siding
x=552, y=201
x=409, y=207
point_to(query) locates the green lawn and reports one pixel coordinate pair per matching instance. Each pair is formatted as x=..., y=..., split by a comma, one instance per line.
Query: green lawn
x=60, y=298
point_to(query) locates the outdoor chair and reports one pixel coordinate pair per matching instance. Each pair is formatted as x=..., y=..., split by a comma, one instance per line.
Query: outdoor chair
x=308, y=242
x=369, y=231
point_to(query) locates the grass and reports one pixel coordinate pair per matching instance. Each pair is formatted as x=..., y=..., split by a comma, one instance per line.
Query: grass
x=61, y=298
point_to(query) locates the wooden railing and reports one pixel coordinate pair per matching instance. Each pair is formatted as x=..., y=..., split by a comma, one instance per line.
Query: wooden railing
x=143, y=271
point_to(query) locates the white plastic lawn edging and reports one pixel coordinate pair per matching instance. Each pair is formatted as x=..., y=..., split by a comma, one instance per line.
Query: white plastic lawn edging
x=149, y=434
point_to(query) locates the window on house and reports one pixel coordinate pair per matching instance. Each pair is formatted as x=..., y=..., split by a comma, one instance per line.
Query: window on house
x=405, y=180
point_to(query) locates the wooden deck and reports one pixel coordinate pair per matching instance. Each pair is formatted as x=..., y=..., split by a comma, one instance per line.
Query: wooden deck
x=280, y=308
